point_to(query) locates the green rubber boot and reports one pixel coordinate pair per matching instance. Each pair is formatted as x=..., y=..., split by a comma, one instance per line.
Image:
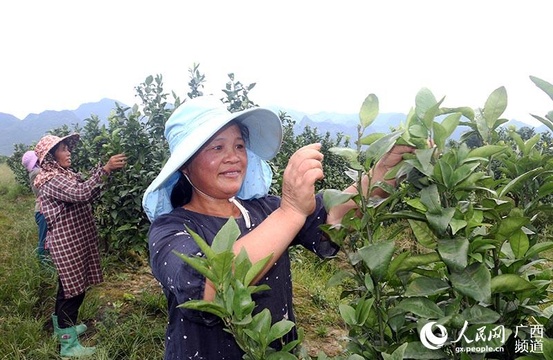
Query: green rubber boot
x=81, y=328
x=70, y=346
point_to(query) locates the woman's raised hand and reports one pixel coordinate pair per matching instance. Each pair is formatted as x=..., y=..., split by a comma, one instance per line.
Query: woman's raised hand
x=298, y=182
x=115, y=162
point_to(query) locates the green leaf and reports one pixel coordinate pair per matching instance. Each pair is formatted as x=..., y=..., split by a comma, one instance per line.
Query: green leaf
x=207, y=306
x=473, y=281
x=464, y=110
x=548, y=348
x=440, y=136
x=478, y=314
x=446, y=172
x=519, y=243
x=226, y=237
x=369, y=284
x=424, y=156
x=333, y=197
x=544, y=85
x=418, y=130
x=450, y=123
x=506, y=283
x=363, y=310
x=338, y=278
x=350, y=155
x=416, y=350
x=281, y=355
x=256, y=269
x=221, y=266
x=545, y=189
x=426, y=286
x=197, y=263
x=397, y=354
x=530, y=144
x=482, y=127
x=376, y=150
x=511, y=225
x=422, y=307
x=372, y=137
x=261, y=322
x=423, y=234
x=411, y=262
x=495, y=106
x=348, y=314
x=279, y=329
x=538, y=248
x=521, y=179
x=547, y=122
x=440, y=221
x=393, y=268
x=242, y=264
x=454, y=252
x=486, y=151
x=377, y=257
x=457, y=225
x=369, y=110
x=204, y=247
x=242, y=304
x=431, y=199
x=424, y=101
x=463, y=172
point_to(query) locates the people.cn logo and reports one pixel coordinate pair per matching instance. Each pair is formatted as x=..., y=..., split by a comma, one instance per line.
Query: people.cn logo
x=429, y=339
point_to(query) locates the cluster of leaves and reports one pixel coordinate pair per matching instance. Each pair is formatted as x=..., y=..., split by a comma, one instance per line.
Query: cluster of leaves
x=481, y=265
x=232, y=277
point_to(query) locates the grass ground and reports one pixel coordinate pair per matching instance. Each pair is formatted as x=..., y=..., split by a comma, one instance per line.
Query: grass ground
x=126, y=314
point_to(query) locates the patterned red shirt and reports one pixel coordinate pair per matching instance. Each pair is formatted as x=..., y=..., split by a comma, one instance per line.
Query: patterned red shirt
x=72, y=236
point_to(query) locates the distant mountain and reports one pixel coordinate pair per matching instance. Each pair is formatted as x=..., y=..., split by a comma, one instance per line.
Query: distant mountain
x=347, y=123
x=34, y=126
x=384, y=123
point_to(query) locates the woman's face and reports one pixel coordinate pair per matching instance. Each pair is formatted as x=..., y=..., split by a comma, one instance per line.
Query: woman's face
x=63, y=155
x=219, y=167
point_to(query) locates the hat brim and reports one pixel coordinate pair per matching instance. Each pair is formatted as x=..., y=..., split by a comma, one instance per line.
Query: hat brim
x=265, y=138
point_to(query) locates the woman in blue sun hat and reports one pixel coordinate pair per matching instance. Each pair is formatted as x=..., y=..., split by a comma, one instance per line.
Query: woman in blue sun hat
x=217, y=170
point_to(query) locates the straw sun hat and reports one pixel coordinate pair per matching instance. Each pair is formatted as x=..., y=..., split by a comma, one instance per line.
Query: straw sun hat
x=191, y=125
x=47, y=143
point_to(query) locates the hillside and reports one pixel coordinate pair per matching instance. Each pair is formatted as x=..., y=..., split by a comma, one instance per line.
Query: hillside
x=30, y=129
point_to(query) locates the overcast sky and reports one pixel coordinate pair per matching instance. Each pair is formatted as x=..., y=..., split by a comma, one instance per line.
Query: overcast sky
x=310, y=56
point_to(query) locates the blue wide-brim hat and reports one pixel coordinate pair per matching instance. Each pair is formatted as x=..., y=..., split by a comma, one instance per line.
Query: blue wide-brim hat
x=191, y=125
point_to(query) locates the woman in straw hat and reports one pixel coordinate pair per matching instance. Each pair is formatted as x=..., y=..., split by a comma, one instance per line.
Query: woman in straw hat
x=217, y=170
x=72, y=238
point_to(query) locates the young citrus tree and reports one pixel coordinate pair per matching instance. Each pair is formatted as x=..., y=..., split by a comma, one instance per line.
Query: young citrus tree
x=480, y=281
